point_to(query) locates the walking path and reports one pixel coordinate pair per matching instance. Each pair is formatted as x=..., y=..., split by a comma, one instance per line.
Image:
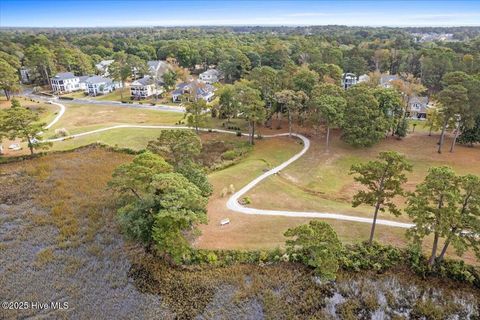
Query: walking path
x=233, y=202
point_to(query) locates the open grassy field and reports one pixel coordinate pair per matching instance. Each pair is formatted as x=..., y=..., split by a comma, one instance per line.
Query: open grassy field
x=85, y=117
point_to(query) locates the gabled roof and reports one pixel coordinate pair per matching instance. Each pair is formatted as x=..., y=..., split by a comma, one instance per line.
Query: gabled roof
x=64, y=75
x=203, y=90
x=83, y=78
x=98, y=79
x=145, y=81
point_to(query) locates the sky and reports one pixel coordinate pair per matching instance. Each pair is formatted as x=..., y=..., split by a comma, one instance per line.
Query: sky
x=114, y=13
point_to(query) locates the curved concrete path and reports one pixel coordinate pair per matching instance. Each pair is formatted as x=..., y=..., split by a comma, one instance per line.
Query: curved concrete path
x=59, y=115
x=233, y=202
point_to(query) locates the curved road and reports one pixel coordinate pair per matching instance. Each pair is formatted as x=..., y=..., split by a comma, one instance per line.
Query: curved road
x=232, y=202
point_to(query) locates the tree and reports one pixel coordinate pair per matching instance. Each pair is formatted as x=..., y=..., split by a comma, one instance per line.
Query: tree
x=177, y=147
x=252, y=107
x=9, y=81
x=228, y=104
x=464, y=228
x=169, y=80
x=383, y=179
x=234, y=64
x=470, y=136
x=179, y=207
x=159, y=207
x=367, y=124
x=304, y=80
x=434, y=120
x=265, y=79
x=39, y=60
x=195, y=113
x=433, y=206
x=329, y=104
x=120, y=71
x=453, y=99
x=132, y=179
x=390, y=103
x=292, y=101
x=20, y=122
x=317, y=245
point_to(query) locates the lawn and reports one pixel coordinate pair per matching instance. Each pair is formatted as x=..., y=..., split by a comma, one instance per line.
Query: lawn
x=85, y=117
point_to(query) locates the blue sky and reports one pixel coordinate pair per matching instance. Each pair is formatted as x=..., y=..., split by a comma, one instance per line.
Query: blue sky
x=190, y=13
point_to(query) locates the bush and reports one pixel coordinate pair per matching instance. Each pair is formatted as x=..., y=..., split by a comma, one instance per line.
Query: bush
x=65, y=98
x=62, y=132
x=239, y=133
x=375, y=257
x=229, y=155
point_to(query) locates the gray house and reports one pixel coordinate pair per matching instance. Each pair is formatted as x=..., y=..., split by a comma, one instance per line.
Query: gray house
x=417, y=108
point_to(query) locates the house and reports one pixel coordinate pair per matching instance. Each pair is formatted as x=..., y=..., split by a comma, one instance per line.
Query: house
x=82, y=83
x=348, y=80
x=102, y=67
x=158, y=68
x=145, y=87
x=98, y=85
x=386, y=79
x=363, y=78
x=65, y=82
x=210, y=76
x=203, y=90
x=417, y=108
x=25, y=75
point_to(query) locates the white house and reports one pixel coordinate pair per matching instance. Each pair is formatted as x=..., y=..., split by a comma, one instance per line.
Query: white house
x=363, y=78
x=144, y=88
x=203, y=90
x=102, y=67
x=348, y=80
x=210, y=76
x=98, y=85
x=65, y=82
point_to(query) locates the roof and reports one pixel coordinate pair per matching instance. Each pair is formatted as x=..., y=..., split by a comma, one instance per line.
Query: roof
x=203, y=90
x=104, y=63
x=158, y=68
x=386, y=78
x=98, y=79
x=210, y=72
x=145, y=81
x=349, y=75
x=419, y=100
x=83, y=78
x=64, y=75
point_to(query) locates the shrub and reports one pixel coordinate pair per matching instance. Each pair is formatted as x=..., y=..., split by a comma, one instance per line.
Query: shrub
x=375, y=257
x=229, y=155
x=62, y=132
x=246, y=200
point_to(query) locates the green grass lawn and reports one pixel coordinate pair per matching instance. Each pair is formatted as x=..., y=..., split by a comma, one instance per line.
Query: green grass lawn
x=115, y=95
x=77, y=95
x=124, y=138
x=81, y=118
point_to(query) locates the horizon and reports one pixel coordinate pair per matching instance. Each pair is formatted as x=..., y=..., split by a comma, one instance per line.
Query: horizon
x=118, y=14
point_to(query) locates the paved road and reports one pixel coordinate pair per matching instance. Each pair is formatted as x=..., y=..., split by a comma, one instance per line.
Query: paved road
x=161, y=107
x=233, y=202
